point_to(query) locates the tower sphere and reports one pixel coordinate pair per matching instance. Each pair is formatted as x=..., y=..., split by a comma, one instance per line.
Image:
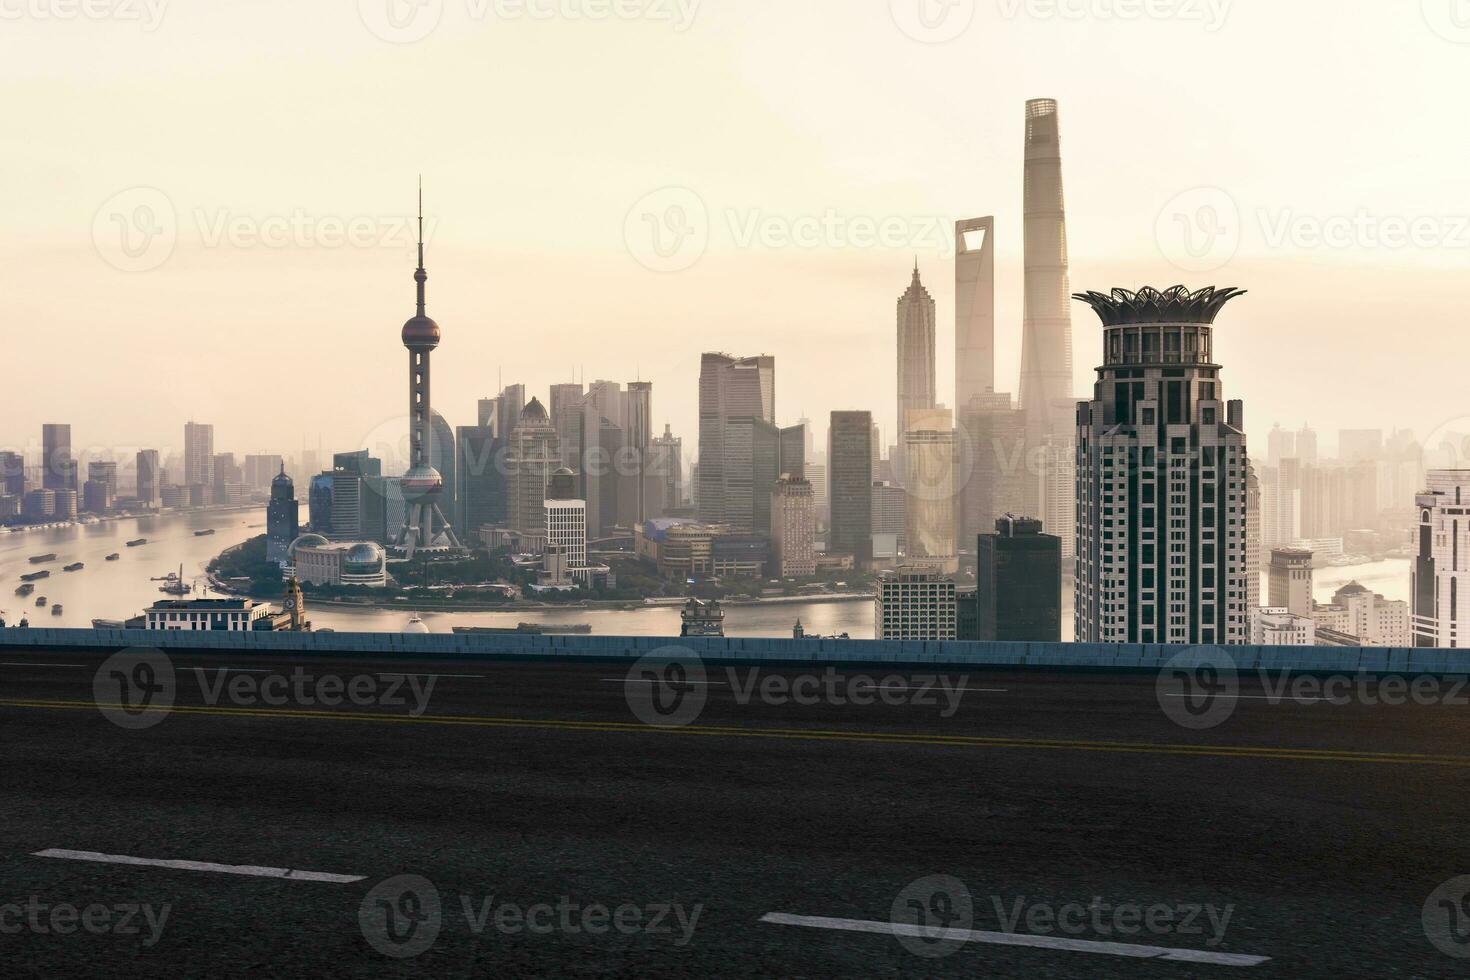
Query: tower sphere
x=421, y=482
x=420, y=333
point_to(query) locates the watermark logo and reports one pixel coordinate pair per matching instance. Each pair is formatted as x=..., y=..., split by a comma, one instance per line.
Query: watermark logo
x=1199, y=230
x=928, y=913
x=136, y=229
x=933, y=21
x=401, y=21
x=1212, y=14
x=401, y=917
x=667, y=688
x=1448, y=446
x=1447, y=918
x=1450, y=19
x=1125, y=919
x=147, y=13
x=1198, y=688
x=404, y=917
x=667, y=230
x=135, y=688
x=64, y=919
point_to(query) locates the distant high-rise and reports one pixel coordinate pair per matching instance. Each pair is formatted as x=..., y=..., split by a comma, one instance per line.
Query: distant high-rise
x=12, y=474
x=1290, y=579
x=1161, y=478
x=668, y=468
x=149, y=478
x=281, y=519
x=929, y=489
x=638, y=402
x=1018, y=583
x=1440, y=608
x=58, y=468
x=850, y=484
x=1046, y=338
x=480, y=470
x=890, y=519
x=795, y=440
x=915, y=353
x=261, y=470
x=532, y=457
x=198, y=454
x=566, y=521
x=793, y=529
x=974, y=274
x=734, y=394
x=993, y=472
x=1280, y=444
x=1306, y=445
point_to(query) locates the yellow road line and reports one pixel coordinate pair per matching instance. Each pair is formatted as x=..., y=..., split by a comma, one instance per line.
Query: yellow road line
x=795, y=734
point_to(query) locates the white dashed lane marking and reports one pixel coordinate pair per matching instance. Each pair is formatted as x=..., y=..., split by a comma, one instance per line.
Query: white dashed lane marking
x=228, y=869
x=1131, y=950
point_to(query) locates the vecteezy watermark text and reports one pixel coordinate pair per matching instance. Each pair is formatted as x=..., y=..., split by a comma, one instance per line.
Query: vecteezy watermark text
x=403, y=917
x=138, y=687
x=98, y=919
x=670, y=687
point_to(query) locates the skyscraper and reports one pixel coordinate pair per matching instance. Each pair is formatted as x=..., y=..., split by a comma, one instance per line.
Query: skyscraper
x=422, y=485
x=638, y=408
x=58, y=468
x=850, y=484
x=1290, y=576
x=1018, y=583
x=929, y=489
x=668, y=468
x=532, y=457
x=1046, y=338
x=281, y=519
x=993, y=476
x=1161, y=479
x=795, y=449
x=793, y=529
x=915, y=353
x=1440, y=614
x=734, y=393
x=12, y=474
x=198, y=454
x=148, y=478
x=480, y=469
x=974, y=330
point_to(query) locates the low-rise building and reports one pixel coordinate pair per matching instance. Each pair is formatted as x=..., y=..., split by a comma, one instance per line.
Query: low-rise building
x=1367, y=616
x=317, y=561
x=229, y=615
x=1278, y=626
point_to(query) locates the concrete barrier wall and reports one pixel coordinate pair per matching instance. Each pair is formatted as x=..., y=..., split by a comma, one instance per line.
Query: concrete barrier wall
x=1350, y=660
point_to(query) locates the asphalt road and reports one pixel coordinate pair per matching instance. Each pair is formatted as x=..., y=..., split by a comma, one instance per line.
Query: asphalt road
x=1055, y=824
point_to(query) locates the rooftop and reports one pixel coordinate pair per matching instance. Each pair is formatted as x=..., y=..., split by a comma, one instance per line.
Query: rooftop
x=1177, y=304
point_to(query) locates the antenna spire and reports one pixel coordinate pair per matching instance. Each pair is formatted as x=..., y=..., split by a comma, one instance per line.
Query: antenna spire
x=420, y=276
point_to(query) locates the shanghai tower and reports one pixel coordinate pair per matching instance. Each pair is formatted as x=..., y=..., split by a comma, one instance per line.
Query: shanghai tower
x=1046, y=339
x=1047, y=400
x=422, y=485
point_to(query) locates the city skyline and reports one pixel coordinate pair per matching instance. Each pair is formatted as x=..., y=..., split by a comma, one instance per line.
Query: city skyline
x=500, y=255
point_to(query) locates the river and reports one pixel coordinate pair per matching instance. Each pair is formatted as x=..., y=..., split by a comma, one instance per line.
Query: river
x=119, y=589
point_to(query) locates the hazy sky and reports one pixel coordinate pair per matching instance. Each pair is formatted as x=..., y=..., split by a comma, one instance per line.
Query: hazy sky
x=206, y=203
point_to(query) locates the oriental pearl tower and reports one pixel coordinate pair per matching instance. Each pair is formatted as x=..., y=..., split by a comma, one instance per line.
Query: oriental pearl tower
x=422, y=484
